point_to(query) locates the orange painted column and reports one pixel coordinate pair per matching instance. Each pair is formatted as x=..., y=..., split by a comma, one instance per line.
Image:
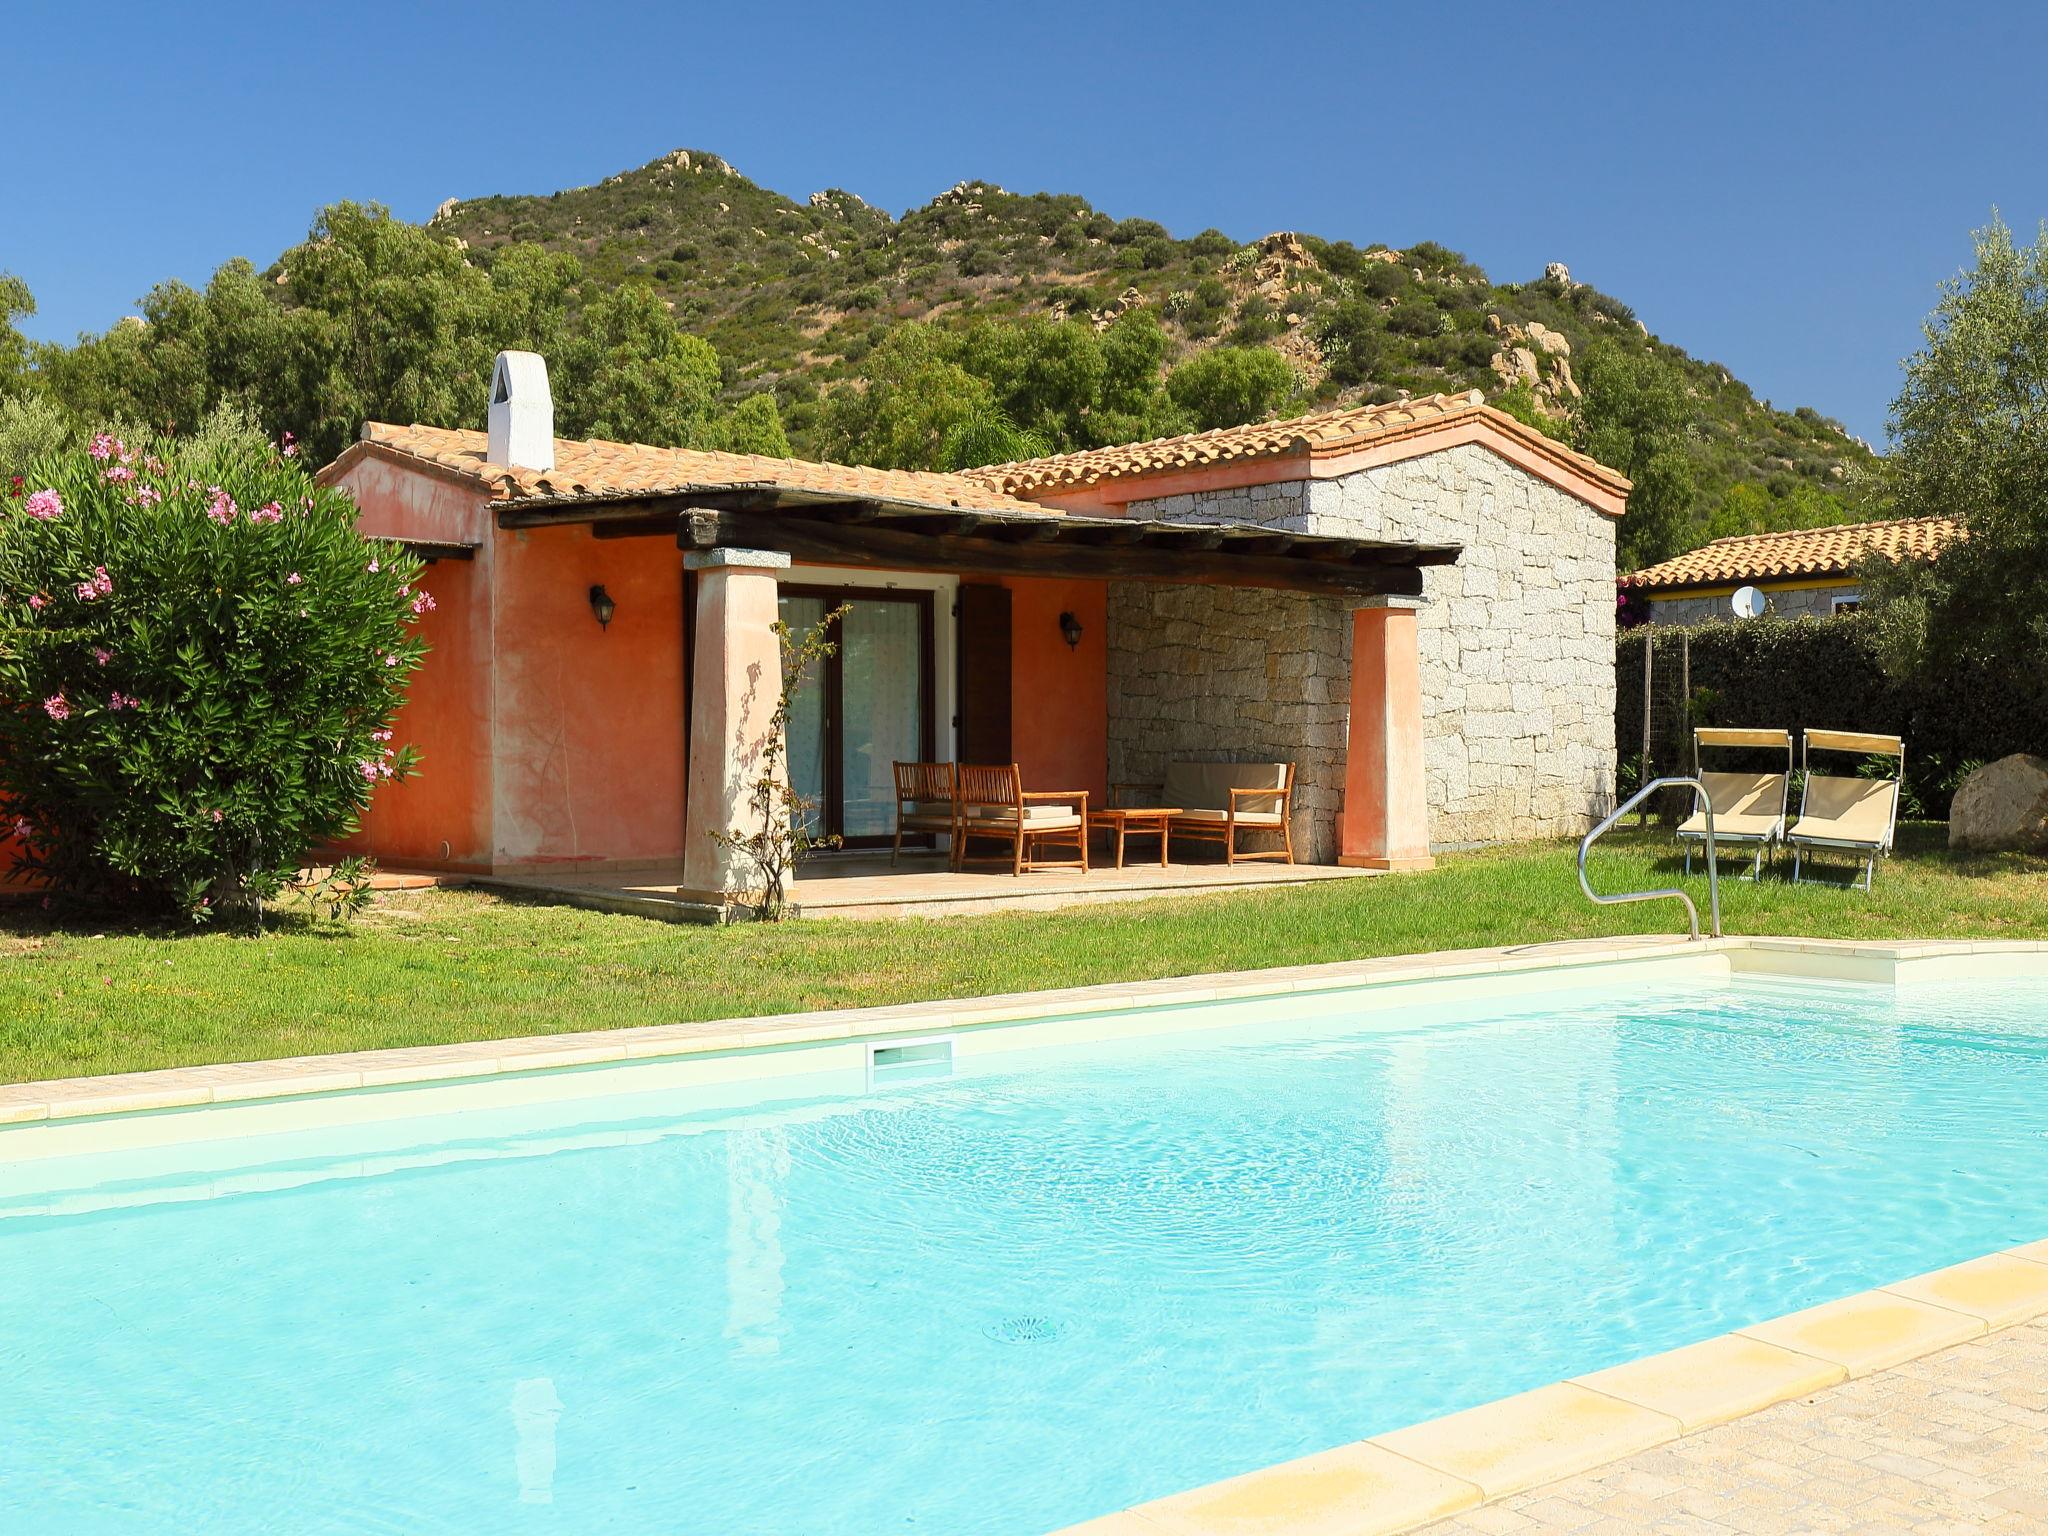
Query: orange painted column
x=1386, y=801
x=735, y=680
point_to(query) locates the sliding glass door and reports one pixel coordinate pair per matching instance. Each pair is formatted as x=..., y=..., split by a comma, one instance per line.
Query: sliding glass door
x=867, y=707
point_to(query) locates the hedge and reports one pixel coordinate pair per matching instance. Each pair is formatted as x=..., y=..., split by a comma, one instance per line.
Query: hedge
x=1819, y=674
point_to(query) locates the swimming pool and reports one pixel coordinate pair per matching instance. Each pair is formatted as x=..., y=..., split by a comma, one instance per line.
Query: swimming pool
x=1059, y=1281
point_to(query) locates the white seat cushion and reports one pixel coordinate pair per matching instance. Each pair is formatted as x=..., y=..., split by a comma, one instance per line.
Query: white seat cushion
x=1036, y=817
x=1218, y=818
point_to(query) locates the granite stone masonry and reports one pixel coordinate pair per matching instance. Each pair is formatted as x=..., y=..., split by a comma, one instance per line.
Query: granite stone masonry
x=1516, y=639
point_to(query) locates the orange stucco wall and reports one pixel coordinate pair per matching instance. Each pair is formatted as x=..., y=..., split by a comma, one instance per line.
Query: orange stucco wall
x=587, y=762
x=442, y=815
x=1059, y=706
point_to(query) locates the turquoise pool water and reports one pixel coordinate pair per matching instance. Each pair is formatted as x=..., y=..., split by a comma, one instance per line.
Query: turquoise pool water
x=1056, y=1284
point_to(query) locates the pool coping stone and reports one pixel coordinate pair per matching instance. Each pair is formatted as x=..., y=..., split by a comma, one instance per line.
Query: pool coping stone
x=306, y=1076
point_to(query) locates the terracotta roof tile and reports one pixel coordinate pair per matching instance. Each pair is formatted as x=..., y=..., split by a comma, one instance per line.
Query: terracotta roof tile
x=1798, y=552
x=601, y=471
x=1324, y=435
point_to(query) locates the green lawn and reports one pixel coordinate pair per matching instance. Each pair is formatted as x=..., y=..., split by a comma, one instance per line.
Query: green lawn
x=434, y=966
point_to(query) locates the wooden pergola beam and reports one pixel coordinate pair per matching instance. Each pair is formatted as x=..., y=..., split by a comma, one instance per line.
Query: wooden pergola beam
x=1377, y=573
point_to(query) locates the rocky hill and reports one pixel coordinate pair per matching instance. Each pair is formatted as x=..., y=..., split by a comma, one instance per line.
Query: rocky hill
x=793, y=295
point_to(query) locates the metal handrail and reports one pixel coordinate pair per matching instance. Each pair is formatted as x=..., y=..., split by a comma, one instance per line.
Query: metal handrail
x=1692, y=913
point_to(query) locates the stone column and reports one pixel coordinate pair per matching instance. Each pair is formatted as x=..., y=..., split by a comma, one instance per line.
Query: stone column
x=735, y=679
x=1386, y=800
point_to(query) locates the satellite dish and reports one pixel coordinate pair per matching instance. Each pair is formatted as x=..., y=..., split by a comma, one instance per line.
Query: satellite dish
x=1747, y=602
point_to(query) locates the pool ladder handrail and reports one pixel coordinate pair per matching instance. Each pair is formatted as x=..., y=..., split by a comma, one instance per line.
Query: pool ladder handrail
x=1692, y=913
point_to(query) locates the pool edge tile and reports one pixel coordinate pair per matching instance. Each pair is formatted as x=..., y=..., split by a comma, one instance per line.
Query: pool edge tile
x=1532, y=1438
x=1715, y=1381
x=1999, y=1290
x=1869, y=1332
x=1360, y=1489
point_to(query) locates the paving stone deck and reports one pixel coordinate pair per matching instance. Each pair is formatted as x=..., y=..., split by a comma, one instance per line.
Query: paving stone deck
x=1953, y=1442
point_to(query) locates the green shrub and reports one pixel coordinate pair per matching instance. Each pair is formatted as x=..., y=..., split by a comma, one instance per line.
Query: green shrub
x=1823, y=674
x=204, y=658
x=1228, y=386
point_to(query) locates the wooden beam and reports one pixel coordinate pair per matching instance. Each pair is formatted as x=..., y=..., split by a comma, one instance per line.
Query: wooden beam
x=656, y=526
x=897, y=549
x=432, y=552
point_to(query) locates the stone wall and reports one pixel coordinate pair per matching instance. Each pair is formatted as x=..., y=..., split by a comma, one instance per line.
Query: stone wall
x=1813, y=602
x=1233, y=674
x=1517, y=649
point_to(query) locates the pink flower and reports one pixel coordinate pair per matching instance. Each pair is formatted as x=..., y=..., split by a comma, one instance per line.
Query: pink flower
x=104, y=445
x=216, y=816
x=294, y=579
x=384, y=735
x=291, y=446
x=367, y=769
x=269, y=512
x=38, y=603
x=390, y=661
x=45, y=504
x=153, y=464
x=101, y=585
x=223, y=510
x=119, y=472
x=146, y=496
x=121, y=701
x=57, y=707
x=102, y=655
x=22, y=829
x=373, y=565
x=424, y=603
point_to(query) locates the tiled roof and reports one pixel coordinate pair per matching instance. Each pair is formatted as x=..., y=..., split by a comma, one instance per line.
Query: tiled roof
x=1798, y=552
x=601, y=471
x=1325, y=435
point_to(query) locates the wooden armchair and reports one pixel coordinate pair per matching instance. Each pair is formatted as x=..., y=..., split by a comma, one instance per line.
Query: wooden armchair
x=924, y=801
x=990, y=802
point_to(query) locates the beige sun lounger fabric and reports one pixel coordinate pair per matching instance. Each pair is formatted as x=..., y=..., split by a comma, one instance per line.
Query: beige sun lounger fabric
x=1846, y=813
x=1748, y=808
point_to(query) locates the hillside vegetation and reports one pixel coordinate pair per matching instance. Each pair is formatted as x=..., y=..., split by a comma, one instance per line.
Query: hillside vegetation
x=985, y=324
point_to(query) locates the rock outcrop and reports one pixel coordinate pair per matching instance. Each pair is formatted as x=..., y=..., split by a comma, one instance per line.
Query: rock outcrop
x=2003, y=805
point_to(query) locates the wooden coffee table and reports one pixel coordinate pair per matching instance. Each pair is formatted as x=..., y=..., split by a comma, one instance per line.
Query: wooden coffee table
x=1145, y=820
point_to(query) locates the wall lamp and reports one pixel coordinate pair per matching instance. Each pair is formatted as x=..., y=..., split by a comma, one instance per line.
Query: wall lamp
x=602, y=606
x=1070, y=630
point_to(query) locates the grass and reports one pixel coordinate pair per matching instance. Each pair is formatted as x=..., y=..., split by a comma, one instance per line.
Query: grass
x=435, y=966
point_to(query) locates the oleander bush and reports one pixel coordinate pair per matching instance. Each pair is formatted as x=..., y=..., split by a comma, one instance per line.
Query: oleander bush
x=200, y=661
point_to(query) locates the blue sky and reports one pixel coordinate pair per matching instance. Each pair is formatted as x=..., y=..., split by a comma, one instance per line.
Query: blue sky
x=1777, y=187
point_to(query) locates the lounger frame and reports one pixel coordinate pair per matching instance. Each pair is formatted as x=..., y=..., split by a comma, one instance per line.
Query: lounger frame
x=1865, y=744
x=1724, y=736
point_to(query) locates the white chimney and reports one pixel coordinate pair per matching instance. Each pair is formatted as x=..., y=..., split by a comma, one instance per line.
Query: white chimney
x=522, y=415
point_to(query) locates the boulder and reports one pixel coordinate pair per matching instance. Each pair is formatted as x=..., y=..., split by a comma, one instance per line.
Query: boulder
x=1557, y=272
x=1553, y=342
x=2002, y=805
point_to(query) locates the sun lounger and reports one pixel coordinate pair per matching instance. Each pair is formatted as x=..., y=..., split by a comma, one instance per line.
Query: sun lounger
x=1856, y=815
x=1749, y=808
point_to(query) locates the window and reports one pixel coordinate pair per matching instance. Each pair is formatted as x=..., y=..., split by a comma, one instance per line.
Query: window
x=1846, y=602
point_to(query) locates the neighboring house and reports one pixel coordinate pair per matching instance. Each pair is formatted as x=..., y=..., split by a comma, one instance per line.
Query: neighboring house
x=1801, y=570
x=1412, y=602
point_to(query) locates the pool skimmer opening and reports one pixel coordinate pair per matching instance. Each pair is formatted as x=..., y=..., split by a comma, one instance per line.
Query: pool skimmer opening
x=910, y=1061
